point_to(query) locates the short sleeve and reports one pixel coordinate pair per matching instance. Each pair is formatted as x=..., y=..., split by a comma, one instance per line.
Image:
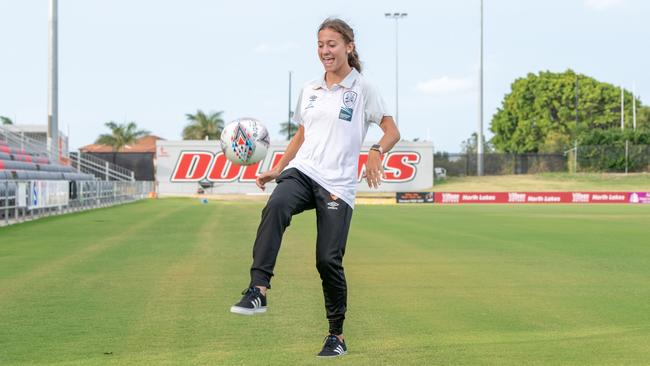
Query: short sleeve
x=297, y=113
x=375, y=108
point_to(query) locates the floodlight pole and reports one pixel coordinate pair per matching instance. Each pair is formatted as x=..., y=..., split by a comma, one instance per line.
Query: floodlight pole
x=53, y=84
x=622, y=109
x=575, y=130
x=634, y=106
x=289, y=112
x=479, y=143
x=397, y=16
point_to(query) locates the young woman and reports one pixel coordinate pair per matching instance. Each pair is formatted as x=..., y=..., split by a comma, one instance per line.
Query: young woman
x=319, y=171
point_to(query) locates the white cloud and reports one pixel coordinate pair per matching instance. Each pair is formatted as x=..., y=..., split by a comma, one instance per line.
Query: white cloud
x=266, y=48
x=446, y=85
x=603, y=4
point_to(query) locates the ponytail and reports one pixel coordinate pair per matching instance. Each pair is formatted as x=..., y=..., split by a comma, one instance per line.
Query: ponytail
x=353, y=60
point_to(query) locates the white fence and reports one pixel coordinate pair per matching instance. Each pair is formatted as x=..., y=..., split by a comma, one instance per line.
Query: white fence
x=27, y=199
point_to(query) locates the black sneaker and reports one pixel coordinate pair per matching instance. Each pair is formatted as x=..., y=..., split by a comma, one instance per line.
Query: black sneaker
x=333, y=347
x=252, y=303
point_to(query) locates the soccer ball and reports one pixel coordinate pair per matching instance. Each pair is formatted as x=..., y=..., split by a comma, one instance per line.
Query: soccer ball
x=245, y=141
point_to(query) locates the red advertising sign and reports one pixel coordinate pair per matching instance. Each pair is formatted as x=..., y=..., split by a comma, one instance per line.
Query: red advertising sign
x=194, y=166
x=531, y=197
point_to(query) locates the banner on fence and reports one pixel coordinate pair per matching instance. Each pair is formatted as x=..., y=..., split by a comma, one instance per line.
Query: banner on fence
x=414, y=197
x=533, y=197
x=22, y=196
x=640, y=197
x=182, y=165
x=47, y=193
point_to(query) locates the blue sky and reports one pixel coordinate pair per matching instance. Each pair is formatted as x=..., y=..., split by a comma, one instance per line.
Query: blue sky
x=154, y=61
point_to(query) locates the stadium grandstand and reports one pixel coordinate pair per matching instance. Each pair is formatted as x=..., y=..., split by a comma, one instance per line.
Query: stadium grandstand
x=35, y=182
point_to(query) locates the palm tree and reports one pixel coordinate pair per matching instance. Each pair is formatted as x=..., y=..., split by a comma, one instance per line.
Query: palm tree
x=6, y=120
x=288, y=128
x=121, y=135
x=202, y=126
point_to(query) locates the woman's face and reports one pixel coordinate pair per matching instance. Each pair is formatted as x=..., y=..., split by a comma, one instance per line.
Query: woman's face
x=332, y=50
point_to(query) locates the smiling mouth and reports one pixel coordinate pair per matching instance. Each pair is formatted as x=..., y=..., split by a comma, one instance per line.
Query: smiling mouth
x=328, y=60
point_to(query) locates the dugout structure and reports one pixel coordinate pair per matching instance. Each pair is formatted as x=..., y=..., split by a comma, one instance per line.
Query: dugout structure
x=139, y=157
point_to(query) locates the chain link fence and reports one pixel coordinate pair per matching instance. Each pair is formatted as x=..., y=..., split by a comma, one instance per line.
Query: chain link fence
x=613, y=159
x=583, y=159
x=24, y=200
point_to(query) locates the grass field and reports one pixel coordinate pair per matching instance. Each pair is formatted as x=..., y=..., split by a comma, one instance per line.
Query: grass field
x=547, y=182
x=151, y=283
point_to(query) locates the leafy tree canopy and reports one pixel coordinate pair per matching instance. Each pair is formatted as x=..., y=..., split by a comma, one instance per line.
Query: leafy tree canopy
x=539, y=113
x=203, y=126
x=122, y=134
x=288, y=129
x=470, y=146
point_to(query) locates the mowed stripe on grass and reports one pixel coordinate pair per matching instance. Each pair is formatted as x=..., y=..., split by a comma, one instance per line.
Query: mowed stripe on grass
x=152, y=282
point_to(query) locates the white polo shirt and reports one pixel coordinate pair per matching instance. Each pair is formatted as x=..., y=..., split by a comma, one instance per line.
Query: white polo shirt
x=336, y=121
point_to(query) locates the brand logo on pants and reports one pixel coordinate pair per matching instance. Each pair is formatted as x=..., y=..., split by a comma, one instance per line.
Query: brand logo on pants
x=332, y=206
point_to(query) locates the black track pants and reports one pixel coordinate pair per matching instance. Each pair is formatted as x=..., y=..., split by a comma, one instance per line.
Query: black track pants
x=294, y=194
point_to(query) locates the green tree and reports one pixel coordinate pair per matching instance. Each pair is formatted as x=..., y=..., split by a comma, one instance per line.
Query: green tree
x=288, y=129
x=470, y=146
x=122, y=134
x=6, y=120
x=540, y=111
x=203, y=125
x=555, y=142
x=643, y=118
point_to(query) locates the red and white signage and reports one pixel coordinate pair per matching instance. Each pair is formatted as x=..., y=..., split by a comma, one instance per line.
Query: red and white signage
x=195, y=166
x=180, y=165
x=531, y=197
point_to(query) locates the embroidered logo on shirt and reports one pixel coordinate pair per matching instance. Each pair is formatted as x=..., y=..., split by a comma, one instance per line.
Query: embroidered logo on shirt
x=349, y=97
x=312, y=99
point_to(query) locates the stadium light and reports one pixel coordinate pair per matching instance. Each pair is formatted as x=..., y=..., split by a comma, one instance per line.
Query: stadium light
x=479, y=143
x=397, y=17
x=53, y=87
x=622, y=109
x=289, y=112
x=634, y=106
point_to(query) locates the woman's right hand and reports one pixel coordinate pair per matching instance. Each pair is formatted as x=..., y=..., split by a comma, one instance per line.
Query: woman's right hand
x=266, y=177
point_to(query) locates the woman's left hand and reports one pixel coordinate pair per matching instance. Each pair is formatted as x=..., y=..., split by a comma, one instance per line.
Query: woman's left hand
x=374, y=169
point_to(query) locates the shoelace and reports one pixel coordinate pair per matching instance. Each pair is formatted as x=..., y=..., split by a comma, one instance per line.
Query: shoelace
x=250, y=293
x=331, y=341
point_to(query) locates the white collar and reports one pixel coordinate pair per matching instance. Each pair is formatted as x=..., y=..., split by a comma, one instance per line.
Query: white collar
x=347, y=82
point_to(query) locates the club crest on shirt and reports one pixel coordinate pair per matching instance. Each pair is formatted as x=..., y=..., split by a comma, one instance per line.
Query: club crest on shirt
x=349, y=97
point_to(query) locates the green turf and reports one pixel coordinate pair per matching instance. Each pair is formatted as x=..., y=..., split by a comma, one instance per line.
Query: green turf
x=151, y=284
x=547, y=182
